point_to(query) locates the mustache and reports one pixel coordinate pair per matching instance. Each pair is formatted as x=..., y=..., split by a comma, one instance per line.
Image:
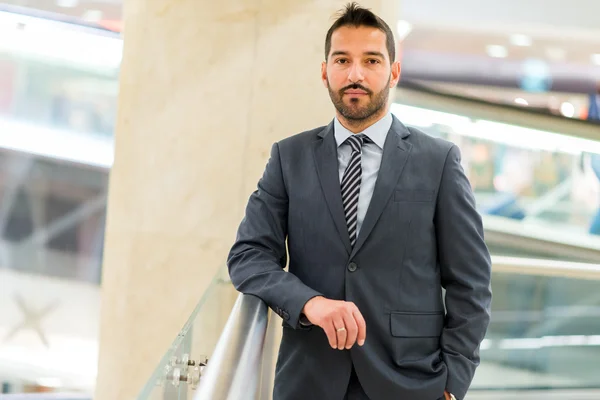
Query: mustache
x=356, y=86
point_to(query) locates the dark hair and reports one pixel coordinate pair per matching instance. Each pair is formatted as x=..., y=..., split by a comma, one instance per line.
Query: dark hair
x=356, y=16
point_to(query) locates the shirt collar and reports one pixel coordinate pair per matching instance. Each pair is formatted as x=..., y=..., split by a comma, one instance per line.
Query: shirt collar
x=376, y=132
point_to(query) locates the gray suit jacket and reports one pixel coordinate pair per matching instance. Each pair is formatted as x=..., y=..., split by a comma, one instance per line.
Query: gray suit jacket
x=421, y=233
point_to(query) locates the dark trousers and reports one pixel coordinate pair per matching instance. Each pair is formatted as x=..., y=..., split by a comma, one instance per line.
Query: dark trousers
x=355, y=390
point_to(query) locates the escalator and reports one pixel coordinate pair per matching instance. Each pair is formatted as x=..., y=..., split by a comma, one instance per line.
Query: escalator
x=539, y=239
x=534, y=175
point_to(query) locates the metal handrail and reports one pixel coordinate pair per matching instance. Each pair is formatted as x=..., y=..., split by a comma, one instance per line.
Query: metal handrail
x=538, y=267
x=234, y=370
x=533, y=237
x=477, y=109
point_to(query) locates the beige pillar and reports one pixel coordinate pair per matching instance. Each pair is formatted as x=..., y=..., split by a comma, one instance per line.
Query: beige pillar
x=206, y=88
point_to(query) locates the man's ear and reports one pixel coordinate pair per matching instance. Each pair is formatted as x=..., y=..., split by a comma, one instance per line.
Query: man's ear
x=324, y=73
x=396, y=71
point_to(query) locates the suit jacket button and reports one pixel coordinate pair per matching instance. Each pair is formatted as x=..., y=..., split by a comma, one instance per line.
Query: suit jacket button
x=286, y=316
x=352, y=267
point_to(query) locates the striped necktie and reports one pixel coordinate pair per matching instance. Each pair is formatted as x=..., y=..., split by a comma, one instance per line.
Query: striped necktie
x=351, y=184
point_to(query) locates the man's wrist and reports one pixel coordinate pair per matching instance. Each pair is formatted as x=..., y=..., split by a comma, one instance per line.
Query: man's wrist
x=308, y=303
x=304, y=321
x=449, y=396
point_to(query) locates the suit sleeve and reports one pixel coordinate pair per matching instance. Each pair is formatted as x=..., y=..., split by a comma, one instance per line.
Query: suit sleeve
x=465, y=267
x=258, y=256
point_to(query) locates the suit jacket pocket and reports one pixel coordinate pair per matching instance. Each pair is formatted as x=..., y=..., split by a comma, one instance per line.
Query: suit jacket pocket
x=414, y=325
x=416, y=196
x=416, y=342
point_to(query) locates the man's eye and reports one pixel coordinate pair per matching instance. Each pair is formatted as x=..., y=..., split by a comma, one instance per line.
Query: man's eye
x=342, y=61
x=373, y=61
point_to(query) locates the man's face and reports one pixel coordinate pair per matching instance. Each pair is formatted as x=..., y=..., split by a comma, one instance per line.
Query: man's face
x=358, y=73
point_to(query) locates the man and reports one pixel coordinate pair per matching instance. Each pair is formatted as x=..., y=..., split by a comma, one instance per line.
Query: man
x=378, y=218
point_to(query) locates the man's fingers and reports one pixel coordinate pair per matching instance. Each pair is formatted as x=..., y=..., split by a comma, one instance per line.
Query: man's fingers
x=342, y=333
x=351, y=328
x=362, y=327
x=344, y=326
x=331, y=334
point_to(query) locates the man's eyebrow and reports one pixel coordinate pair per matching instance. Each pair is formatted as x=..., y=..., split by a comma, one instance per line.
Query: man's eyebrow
x=374, y=53
x=339, y=53
x=368, y=53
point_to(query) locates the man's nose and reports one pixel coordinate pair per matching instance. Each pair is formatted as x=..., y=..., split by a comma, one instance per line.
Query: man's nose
x=356, y=73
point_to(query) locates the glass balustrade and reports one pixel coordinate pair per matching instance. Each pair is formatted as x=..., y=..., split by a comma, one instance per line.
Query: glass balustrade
x=544, y=331
x=177, y=375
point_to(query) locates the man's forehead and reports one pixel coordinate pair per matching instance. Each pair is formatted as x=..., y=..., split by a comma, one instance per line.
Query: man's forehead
x=362, y=36
x=358, y=32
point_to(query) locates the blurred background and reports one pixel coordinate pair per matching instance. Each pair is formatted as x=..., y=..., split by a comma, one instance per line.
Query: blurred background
x=514, y=83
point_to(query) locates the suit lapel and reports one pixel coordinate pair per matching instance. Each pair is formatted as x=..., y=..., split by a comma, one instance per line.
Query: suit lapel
x=326, y=158
x=395, y=154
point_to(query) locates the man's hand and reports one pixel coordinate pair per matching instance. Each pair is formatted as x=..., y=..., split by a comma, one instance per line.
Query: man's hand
x=342, y=322
x=447, y=396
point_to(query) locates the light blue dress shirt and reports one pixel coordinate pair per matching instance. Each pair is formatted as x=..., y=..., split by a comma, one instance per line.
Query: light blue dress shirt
x=371, y=159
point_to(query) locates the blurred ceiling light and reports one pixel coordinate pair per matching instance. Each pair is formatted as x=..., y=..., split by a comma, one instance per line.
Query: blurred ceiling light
x=57, y=42
x=496, y=51
x=403, y=29
x=556, y=53
x=520, y=40
x=521, y=101
x=67, y=3
x=92, y=15
x=595, y=59
x=49, y=382
x=567, y=109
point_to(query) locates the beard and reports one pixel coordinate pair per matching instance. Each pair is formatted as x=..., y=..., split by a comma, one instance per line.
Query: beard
x=354, y=111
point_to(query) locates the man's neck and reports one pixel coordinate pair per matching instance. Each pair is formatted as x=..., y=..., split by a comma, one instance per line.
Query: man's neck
x=357, y=126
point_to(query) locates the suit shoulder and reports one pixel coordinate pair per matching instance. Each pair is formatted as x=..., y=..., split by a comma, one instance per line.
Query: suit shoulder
x=301, y=138
x=427, y=142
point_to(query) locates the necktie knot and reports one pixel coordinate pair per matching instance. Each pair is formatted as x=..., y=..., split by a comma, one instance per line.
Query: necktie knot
x=356, y=141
